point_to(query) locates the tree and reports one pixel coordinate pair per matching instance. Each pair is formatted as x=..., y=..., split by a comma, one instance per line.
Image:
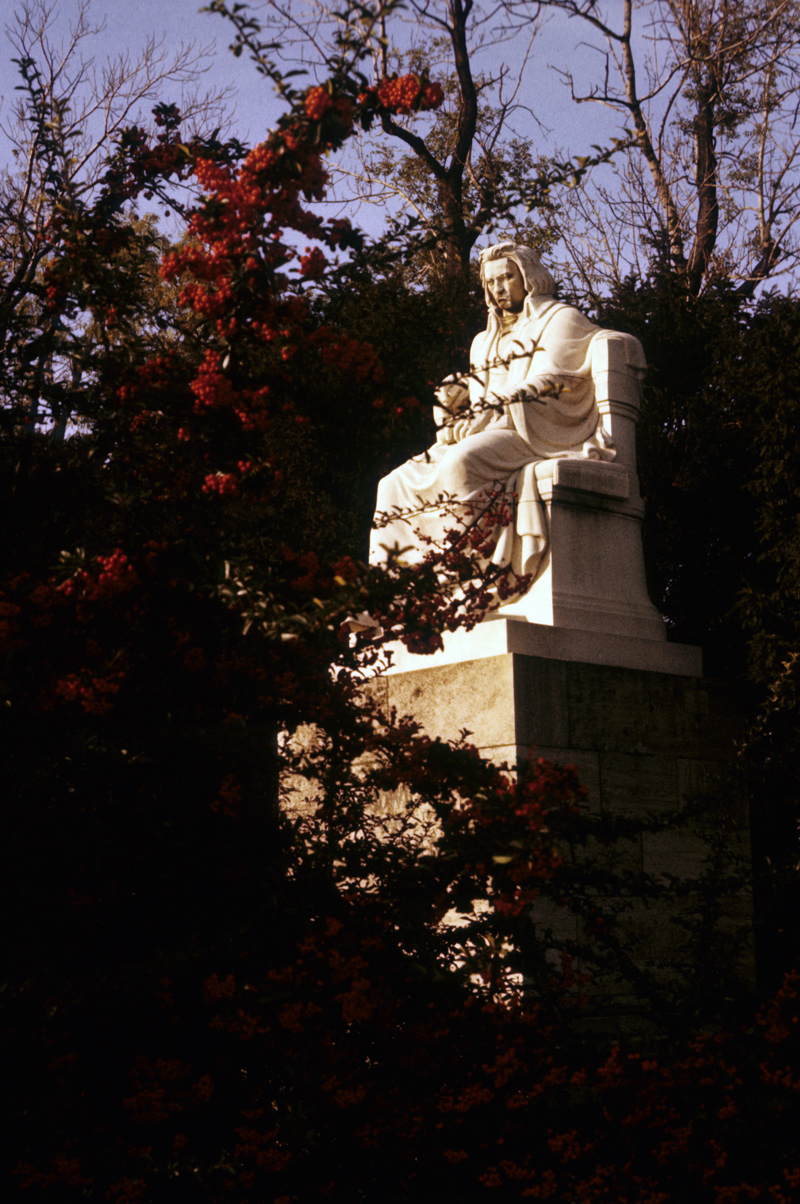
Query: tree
x=710, y=180
x=70, y=114
x=467, y=168
x=176, y=611
x=705, y=93
x=446, y=155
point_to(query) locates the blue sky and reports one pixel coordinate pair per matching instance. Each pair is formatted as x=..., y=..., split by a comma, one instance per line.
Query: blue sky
x=126, y=26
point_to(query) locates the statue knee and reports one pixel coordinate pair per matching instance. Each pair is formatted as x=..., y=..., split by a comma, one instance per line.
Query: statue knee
x=460, y=469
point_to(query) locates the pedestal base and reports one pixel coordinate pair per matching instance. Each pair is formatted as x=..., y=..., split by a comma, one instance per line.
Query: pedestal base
x=498, y=635
x=648, y=746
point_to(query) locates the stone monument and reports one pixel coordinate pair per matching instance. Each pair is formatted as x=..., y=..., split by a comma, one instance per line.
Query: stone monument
x=576, y=668
x=547, y=414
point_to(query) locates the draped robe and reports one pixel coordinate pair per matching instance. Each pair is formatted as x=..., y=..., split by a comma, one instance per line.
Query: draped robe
x=499, y=448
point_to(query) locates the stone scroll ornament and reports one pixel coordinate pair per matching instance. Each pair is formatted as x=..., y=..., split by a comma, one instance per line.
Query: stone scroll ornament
x=528, y=399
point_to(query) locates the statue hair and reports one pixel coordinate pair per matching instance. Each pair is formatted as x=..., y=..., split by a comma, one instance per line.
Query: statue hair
x=536, y=278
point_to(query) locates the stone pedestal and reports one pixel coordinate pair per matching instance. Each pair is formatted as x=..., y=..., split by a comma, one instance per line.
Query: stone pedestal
x=649, y=746
x=498, y=634
x=579, y=671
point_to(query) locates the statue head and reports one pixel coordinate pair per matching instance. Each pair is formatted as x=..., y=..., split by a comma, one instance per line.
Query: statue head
x=535, y=277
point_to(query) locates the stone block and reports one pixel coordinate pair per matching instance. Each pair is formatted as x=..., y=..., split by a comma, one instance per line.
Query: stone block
x=446, y=699
x=735, y=928
x=629, y=711
x=586, y=763
x=541, y=702
x=698, y=779
x=501, y=632
x=504, y=754
x=648, y=745
x=658, y=934
x=552, y=922
x=638, y=785
x=621, y=856
x=711, y=791
x=675, y=853
x=378, y=689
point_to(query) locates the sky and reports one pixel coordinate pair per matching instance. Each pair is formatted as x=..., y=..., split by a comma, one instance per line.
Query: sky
x=126, y=26
x=129, y=22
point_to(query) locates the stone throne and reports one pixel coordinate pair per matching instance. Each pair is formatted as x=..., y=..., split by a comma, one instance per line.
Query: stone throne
x=593, y=572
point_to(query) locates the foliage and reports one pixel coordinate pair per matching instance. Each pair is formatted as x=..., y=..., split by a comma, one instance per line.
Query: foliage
x=61, y=128
x=465, y=171
x=715, y=443
x=181, y=605
x=700, y=95
x=694, y=442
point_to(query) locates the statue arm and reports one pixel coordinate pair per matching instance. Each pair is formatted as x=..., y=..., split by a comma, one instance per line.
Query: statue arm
x=452, y=395
x=560, y=357
x=552, y=396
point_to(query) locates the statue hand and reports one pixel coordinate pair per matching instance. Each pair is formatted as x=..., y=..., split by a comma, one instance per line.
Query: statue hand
x=451, y=394
x=454, y=432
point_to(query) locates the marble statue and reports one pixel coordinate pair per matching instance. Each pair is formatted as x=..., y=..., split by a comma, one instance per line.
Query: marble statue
x=546, y=419
x=529, y=397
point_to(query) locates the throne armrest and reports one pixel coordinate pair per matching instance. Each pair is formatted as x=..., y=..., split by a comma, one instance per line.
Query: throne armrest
x=599, y=477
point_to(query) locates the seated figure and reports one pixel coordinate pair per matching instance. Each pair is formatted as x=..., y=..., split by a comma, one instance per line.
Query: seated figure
x=529, y=397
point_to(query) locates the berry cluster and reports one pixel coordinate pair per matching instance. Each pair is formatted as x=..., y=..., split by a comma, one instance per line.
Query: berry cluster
x=352, y=357
x=405, y=93
x=91, y=692
x=211, y=387
x=400, y=92
x=317, y=103
x=116, y=576
x=313, y=264
x=213, y=391
x=224, y=484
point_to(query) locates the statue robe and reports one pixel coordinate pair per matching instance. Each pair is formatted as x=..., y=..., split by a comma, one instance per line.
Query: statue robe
x=490, y=450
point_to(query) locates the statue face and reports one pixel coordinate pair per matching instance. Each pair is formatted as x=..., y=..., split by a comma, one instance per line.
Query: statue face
x=505, y=284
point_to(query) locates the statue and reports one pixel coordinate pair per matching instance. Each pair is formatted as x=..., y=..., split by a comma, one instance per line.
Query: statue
x=529, y=397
